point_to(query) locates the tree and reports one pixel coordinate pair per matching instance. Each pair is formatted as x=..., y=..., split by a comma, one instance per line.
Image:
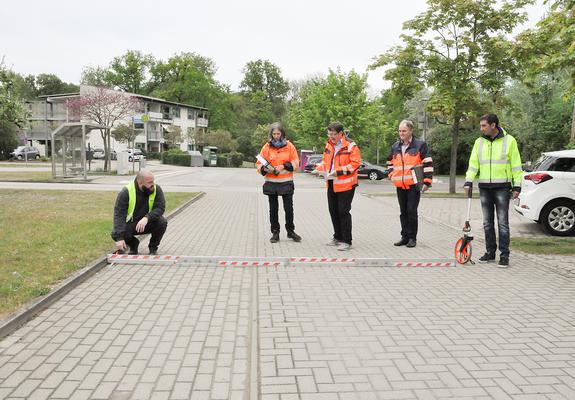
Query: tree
x=337, y=97
x=104, y=107
x=95, y=76
x=263, y=83
x=538, y=115
x=47, y=84
x=124, y=133
x=190, y=78
x=12, y=114
x=455, y=48
x=550, y=48
x=130, y=72
x=173, y=135
x=222, y=139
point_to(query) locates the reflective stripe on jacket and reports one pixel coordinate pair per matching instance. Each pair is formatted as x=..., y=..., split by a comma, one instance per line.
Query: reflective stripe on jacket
x=417, y=154
x=277, y=157
x=132, y=200
x=346, y=163
x=497, y=162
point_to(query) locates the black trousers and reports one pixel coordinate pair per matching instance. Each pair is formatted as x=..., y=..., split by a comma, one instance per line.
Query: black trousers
x=408, y=203
x=339, y=209
x=287, y=200
x=157, y=228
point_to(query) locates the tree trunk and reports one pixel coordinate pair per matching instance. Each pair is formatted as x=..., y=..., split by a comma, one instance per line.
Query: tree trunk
x=106, y=150
x=109, y=150
x=454, y=144
x=572, y=141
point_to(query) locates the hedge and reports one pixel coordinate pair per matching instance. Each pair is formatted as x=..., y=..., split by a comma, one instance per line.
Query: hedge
x=176, y=159
x=233, y=160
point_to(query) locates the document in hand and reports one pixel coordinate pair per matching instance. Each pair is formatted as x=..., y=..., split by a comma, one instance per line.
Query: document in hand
x=417, y=175
x=330, y=175
x=262, y=160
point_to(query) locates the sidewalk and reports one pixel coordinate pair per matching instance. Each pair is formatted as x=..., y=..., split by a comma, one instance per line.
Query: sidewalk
x=276, y=333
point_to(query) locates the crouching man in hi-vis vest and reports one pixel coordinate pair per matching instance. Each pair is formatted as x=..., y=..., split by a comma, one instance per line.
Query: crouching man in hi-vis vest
x=139, y=210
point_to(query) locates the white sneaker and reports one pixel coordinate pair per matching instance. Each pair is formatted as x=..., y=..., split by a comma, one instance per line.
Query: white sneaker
x=333, y=242
x=344, y=246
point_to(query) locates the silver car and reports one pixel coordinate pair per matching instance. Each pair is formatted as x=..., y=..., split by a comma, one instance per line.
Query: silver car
x=25, y=152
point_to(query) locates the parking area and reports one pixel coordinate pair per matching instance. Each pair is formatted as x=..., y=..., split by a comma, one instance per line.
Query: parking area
x=198, y=331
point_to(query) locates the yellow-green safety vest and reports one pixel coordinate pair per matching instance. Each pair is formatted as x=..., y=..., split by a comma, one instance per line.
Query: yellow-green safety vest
x=496, y=161
x=132, y=200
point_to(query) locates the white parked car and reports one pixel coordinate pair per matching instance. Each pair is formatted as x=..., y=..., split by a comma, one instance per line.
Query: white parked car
x=548, y=192
x=133, y=154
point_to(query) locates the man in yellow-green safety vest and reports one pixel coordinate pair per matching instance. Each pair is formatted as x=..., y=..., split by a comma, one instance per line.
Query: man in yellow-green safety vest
x=139, y=209
x=496, y=160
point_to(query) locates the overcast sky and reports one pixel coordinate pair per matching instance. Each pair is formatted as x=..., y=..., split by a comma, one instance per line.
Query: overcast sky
x=302, y=37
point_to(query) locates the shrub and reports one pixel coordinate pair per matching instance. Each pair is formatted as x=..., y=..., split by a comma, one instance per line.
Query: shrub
x=235, y=159
x=223, y=160
x=178, y=157
x=153, y=156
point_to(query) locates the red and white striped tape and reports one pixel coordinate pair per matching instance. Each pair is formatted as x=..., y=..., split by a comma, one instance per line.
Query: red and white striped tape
x=421, y=264
x=137, y=257
x=313, y=260
x=249, y=263
x=227, y=261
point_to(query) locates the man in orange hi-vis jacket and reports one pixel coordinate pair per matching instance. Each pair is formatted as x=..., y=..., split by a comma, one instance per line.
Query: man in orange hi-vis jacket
x=340, y=162
x=276, y=162
x=408, y=156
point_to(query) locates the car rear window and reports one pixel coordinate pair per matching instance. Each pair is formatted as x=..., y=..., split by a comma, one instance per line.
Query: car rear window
x=564, y=164
x=550, y=163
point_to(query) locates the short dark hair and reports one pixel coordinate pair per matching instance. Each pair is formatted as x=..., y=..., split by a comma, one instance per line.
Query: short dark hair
x=335, y=126
x=279, y=127
x=490, y=118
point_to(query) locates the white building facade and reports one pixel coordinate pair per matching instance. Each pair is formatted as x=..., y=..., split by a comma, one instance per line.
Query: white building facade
x=158, y=119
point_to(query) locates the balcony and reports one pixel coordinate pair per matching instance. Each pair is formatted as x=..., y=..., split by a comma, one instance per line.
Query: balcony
x=202, y=123
x=154, y=135
x=159, y=117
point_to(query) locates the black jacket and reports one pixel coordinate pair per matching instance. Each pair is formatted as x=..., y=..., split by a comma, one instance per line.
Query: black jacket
x=140, y=211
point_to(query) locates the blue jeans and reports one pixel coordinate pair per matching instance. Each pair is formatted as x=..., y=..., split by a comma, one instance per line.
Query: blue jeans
x=496, y=200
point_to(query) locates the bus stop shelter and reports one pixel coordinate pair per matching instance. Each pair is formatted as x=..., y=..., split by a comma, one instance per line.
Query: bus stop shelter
x=69, y=149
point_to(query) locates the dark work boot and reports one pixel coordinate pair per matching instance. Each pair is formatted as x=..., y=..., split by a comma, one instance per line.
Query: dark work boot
x=294, y=236
x=275, y=237
x=402, y=242
x=134, y=246
x=153, y=251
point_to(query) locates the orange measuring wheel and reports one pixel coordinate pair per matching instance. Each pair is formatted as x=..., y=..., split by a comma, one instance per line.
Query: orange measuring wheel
x=463, y=250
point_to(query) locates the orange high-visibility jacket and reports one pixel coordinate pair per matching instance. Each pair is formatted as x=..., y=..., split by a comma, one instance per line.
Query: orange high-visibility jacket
x=346, y=163
x=416, y=154
x=276, y=157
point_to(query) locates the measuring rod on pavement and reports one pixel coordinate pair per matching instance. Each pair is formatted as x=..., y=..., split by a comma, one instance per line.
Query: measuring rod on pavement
x=230, y=261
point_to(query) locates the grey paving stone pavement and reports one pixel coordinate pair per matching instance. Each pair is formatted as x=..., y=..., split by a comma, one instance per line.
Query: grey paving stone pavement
x=190, y=331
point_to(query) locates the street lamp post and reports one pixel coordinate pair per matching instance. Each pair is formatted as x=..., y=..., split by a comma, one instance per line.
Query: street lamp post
x=424, y=124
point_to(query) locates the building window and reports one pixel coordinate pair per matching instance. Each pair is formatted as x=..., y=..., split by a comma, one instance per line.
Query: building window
x=176, y=112
x=191, y=114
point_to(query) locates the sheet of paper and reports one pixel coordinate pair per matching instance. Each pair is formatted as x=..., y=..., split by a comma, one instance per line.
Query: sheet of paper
x=262, y=160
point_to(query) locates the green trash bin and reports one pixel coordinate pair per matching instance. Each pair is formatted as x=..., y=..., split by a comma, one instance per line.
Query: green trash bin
x=210, y=156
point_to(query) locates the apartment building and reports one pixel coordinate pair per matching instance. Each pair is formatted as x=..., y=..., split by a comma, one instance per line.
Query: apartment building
x=153, y=123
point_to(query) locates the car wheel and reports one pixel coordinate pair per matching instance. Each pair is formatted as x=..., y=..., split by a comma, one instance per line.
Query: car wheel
x=37, y=156
x=558, y=217
x=373, y=175
x=20, y=157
